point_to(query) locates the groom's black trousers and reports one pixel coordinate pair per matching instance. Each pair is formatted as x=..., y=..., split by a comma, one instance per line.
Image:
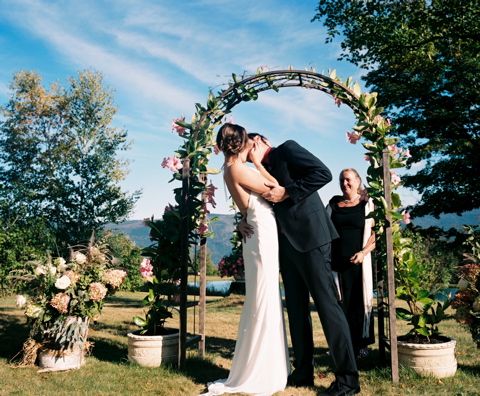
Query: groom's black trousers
x=306, y=274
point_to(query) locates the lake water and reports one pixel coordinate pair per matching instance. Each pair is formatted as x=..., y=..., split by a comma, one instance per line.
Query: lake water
x=218, y=286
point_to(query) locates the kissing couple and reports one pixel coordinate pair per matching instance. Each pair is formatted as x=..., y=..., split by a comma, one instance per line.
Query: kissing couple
x=285, y=227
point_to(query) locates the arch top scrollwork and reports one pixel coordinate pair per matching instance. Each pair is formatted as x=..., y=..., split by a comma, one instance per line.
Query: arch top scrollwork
x=249, y=87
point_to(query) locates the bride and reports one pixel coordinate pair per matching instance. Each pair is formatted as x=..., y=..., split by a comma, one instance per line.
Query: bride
x=261, y=363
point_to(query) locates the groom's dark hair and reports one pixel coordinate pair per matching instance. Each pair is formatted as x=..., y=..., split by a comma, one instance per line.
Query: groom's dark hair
x=254, y=134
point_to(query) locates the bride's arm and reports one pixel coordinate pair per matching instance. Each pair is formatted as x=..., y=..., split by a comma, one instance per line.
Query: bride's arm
x=247, y=178
x=265, y=174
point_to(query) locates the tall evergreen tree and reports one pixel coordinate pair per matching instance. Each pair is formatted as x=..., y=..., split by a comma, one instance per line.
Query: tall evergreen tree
x=423, y=59
x=59, y=156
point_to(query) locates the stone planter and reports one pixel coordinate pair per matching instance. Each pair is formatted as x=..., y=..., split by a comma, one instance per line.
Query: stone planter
x=436, y=360
x=54, y=360
x=152, y=351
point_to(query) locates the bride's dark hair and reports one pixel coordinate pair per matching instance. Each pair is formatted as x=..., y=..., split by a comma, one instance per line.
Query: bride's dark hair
x=232, y=139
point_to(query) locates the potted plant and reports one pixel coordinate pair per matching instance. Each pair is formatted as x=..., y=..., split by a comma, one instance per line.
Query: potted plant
x=62, y=297
x=467, y=300
x=423, y=348
x=154, y=343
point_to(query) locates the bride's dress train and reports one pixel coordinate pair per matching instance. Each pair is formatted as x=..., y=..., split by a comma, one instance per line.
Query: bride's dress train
x=260, y=364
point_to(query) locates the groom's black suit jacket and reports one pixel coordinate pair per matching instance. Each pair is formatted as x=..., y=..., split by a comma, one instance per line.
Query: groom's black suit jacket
x=302, y=216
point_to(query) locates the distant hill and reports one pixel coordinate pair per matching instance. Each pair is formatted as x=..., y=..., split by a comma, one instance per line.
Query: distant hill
x=223, y=228
x=218, y=246
x=447, y=221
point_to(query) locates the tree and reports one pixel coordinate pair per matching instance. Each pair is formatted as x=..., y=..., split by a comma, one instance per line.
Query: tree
x=211, y=268
x=58, y=156
x=422, y=59
x=130, y=257
x=19, y=243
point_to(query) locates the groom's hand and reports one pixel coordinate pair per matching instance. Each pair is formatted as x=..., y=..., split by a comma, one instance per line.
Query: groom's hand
x=276, y=194
x=245, y=229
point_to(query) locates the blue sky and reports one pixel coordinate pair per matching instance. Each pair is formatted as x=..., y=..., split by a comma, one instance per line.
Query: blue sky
x=164, y=56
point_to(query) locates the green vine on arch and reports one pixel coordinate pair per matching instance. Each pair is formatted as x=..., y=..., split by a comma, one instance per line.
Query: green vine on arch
x=199, y=144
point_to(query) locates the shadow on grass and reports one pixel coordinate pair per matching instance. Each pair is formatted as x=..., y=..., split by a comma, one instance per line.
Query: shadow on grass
x=108, y=350
x=202, y=371
x=469, y=369
x=123, y=303
x=119, y=328
x=220, y=346
x=13, y=333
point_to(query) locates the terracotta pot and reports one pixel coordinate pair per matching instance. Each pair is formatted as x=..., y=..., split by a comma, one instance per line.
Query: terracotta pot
x=436, y=360
x=153, y=350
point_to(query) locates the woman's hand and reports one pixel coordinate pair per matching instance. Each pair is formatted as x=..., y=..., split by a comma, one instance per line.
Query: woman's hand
x=257, y=153
x=358, y=257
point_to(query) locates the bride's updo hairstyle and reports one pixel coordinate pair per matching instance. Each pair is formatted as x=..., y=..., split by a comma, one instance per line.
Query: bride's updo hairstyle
x=232, y=139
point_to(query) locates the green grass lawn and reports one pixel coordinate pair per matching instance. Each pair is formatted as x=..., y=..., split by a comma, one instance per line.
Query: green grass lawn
x=107, y=371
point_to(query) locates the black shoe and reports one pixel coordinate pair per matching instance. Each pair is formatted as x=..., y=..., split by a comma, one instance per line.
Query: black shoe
x=298, y=384
x=338, y=389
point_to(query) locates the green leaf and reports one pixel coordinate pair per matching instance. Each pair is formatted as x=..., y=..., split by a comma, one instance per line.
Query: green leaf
x=396, y=200
x=356, y=89
x=403, y=314
x=139, y=321
x=213, y=171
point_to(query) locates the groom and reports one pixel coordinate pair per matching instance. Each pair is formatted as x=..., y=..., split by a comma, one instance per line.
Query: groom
x=305, y=233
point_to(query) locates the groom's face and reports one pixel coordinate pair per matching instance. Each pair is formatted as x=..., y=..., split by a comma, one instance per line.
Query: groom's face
x=260, y=145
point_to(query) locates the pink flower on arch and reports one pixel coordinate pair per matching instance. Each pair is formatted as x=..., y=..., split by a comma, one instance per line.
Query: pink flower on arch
x=364, y=195
x=210, y=193
x=177, y=128
x=337, y=101
x=406, y=217
x=366, y=158
x=352, y=137
x=407, y=154
x=146, y=269
x=202, y=229
x=395, y=178
x=393, y=148
x=216, y=150
x=172, y=163
x=205, y=209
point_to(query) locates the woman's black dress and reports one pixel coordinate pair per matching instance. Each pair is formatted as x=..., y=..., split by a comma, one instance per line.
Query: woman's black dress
x=350, y=223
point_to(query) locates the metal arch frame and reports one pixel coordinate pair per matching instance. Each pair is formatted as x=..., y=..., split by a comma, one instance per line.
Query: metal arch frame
x=234, y=95
x=246, y=90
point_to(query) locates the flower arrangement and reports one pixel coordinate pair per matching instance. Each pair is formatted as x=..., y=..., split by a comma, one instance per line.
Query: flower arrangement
x=63, y=296
x=467, y=300
x=232, y=265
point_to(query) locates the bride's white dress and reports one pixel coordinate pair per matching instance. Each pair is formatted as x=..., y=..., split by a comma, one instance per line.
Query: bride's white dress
x=260, y=364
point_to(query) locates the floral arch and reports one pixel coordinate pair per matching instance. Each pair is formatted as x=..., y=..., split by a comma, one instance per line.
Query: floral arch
x=190, y=166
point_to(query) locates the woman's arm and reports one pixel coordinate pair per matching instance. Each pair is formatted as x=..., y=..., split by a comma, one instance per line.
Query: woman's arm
x=369, y=246
x=265, y=174
x=246, y=177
